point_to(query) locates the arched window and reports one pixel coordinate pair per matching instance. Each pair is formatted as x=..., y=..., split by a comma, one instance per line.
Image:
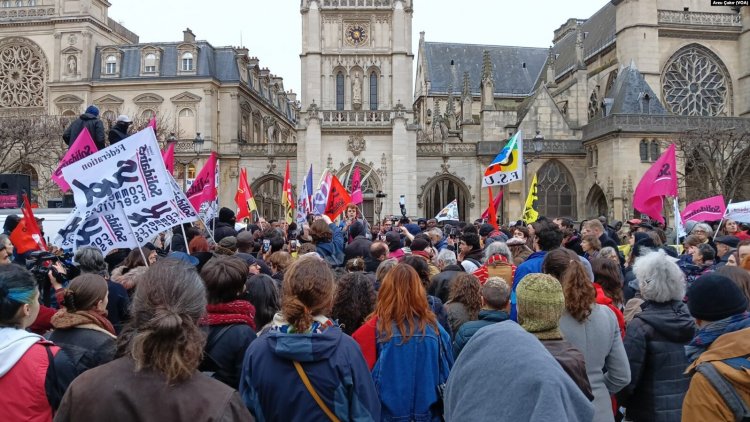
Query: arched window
x=187, y=62
x=257, y=137
x=186, y=123
x=69, y=113
x=32, y=3
x=149, y=63
x=655, y=150
x=147, y=114
x=440, y=191
x=245, y=129
x=644, y=151
x=340, y=91
x=556, y=191
x=373, y=91
x=695, y=82
x=19, y=3
x=111, y=65
x=369, y=183
x=267, y=192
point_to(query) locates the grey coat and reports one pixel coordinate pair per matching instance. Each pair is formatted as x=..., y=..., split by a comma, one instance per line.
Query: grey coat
x=598, y=338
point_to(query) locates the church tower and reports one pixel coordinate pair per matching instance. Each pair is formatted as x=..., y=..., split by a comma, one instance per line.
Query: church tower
x=356, y=64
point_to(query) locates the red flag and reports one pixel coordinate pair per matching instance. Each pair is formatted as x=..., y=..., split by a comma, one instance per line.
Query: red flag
x=496, y=203
x=660, y=180
x=356, y=187
x=492, y=211
x=204, y=185
x=338, y=199
x=168, y=156
x=244, y=199
x=287, y=199
x=27, y=236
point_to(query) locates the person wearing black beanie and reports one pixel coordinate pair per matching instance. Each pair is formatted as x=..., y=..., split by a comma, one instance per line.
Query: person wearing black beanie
x=721, y=344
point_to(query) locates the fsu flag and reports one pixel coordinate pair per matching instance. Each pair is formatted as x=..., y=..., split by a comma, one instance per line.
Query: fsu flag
x=287, y=199
x=244, y=199
x=338, y=199
x=660, y=180
x=27, y=236
x=81, y=148
x=168, y=156
x=508, y=164
x=356, y=187
x=204, y=185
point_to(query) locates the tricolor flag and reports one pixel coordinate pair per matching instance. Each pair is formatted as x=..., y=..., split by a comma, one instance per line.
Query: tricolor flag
x=507, y=166
x=305, y=200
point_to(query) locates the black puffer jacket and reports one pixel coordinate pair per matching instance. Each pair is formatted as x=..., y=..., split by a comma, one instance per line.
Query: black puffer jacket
x=440, y=285
x=225, y=351
x=655, y=343
x=359, y=247
x=90, y=122
x=223, y=229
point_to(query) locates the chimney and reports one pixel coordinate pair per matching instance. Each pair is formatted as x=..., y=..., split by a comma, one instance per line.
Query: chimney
x=242, y=51
x=188, y=36
x=292, y=96
x=253, y=61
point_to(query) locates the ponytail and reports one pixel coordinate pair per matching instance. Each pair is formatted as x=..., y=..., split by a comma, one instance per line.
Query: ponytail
x=579, y=291
x=308, y=291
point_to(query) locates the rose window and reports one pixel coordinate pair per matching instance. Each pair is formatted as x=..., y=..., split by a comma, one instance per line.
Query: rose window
x=695, y=84
x=22, y=74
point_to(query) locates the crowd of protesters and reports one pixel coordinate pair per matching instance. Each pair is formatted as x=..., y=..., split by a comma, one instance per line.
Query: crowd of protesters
x=385, y=320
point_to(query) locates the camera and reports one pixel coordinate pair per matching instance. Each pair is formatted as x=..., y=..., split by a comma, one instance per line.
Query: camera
x=293, y=245
x=40, y=263
x=402, y=204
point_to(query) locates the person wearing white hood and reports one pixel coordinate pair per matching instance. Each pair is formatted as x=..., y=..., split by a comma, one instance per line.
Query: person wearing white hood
x=24, y=357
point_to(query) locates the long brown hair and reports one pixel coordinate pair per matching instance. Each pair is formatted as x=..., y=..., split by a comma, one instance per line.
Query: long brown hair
x=466, y=290
x=84, y=292
x=163, y=333
x=580, y=295
x=402, y=300
x=608, y=275
x=308, y=290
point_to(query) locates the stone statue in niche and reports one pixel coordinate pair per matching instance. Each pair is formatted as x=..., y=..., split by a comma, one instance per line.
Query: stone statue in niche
x=356, y=91
x=72, y=65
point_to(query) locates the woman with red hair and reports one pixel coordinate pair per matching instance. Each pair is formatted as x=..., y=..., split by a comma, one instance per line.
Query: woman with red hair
x=403, y=341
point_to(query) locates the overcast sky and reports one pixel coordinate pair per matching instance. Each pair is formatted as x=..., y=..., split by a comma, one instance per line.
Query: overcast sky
x=271, y=28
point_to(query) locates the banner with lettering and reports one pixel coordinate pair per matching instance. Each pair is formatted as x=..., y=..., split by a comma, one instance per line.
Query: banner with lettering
x=660, y=180
x=81, y=148
x=203, y=188
x=739, y=212
x=709, y=209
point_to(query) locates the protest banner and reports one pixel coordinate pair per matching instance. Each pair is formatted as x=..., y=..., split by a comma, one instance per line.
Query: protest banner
x=81, y=148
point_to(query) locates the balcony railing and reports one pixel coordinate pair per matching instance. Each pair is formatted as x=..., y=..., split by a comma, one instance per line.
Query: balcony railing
x=351, y=118
x=439, y=149
x=700, y=18
x=268, y=150
x=660, y=124
x=26, y=12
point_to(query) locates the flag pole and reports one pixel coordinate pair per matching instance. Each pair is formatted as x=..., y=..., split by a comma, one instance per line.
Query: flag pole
x=184, y=237
x=140, y=249
x=722, y=219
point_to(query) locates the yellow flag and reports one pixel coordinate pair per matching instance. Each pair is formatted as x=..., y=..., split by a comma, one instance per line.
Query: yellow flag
x=530, y=215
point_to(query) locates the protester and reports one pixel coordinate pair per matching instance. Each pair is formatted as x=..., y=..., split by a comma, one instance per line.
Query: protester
x=437, y=305
x=226, y=246
x=571, y=238
x=420, y=247
x=279, y=262
x=611, y=254
x=161, y=349
x=590, y=246
x=541, y=304
x=224, y=226
x=608, y=285
x=498, y=262
x=740, y=277
x=469, y=250
x=495, y=305
x=395, y=246
x=328, y=240
x=358, y=244
x=702, y=261
x=440, y=284
x=303, y=343
x=488, y=234
x=89, y=120
x=720, y=347
x=518, y=250
x=262, y=293
x=119, y=130
x=403, y=341
x=655, y=343
x=464, y=302
x=132, y=268
x=725, y=245
x=378, y=253
x=592, y=328
x=91, y=261
x=354, y=301
x=382, y=271
x=596, y=228
x=230, y=320
x=24, y=357
x=537, y=387
x=703, y=231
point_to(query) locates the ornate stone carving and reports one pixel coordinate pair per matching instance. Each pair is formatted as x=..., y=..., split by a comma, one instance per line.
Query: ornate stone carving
x=329, y=162
x=23, y=74
x=356, y=144
x=610, y=194
x=356, y=91
x=271, y=166
x=72, y=39
x=383, y=170
x=696, y=83
x=699, y=18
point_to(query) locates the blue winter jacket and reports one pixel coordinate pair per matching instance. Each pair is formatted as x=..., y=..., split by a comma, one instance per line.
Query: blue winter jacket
x=273, y=391
x=407, y=375
x=533, y=264
x=333, y=251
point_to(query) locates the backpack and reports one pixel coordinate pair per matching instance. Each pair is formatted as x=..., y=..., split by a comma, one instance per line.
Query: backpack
x=209, y=365
x=504, y=270
x=728, y=393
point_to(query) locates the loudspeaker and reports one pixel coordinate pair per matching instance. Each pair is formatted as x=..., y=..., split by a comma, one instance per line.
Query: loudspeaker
x=11, y=188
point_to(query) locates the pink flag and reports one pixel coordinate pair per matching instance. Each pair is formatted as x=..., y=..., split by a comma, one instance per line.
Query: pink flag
x=709, y=209
x=356, y=187
x=152, y=124
x=496, y=203
x=660, y=180
x=204, y=185
x=168, y=156
x=81, y=148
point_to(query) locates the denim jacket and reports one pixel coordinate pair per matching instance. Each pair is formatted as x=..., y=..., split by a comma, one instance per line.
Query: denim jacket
x=407, y=375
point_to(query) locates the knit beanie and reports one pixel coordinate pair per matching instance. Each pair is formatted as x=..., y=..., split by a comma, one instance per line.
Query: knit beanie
x=92, y=110
x=713, y=297
x=227, y=246
x=540, y=304
x=226, y=215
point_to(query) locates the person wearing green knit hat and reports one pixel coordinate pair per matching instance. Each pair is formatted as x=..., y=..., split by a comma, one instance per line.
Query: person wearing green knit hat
x=540, y=304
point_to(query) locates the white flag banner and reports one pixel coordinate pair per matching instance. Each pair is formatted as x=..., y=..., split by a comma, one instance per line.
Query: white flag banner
x=678, y=226
x=450, y=212
x=124, y=197
x=739, y=212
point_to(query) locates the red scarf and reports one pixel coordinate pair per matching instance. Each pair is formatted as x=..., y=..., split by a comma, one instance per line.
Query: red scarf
x=234, y=312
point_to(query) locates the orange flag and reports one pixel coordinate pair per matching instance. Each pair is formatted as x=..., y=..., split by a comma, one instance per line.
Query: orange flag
x=338, y=199
x=27, y=236
x=491, y=208
x=244, y=199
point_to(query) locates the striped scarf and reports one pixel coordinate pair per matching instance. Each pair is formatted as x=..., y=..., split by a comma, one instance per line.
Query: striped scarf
x=713, y=330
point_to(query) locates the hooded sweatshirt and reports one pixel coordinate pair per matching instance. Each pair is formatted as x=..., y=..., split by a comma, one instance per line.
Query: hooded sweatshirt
x=23, y=369
x=272, y=389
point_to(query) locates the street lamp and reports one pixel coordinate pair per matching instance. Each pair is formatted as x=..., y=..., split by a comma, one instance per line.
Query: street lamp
x=197, y=148
x=538, y=145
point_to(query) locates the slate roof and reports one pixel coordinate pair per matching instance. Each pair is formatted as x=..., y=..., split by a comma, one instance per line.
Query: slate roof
x=630, y=87
x=510, y=76
x=600, y=29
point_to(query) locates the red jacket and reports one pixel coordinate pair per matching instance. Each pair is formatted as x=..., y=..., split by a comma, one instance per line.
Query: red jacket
x=23, y=395
x=365, y=336
x=602, y=299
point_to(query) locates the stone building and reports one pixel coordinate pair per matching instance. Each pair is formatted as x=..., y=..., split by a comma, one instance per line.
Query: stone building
x=60, y=56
